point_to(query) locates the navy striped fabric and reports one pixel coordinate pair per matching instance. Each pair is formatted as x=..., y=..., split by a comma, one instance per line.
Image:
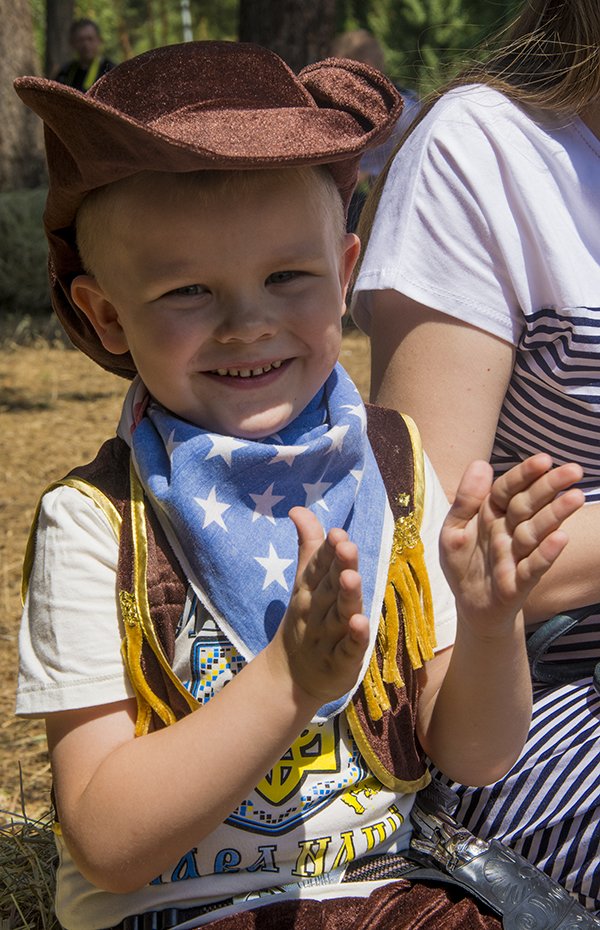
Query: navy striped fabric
x=553, y=401
x=547, y=806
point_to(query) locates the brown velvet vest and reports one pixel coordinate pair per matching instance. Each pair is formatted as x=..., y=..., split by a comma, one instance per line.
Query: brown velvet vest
x=152, y=590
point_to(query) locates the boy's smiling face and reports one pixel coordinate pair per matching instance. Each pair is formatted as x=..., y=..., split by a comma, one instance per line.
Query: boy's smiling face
x=230, y=303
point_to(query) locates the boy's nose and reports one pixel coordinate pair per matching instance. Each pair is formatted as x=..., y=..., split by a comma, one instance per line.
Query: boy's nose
x=246, y=320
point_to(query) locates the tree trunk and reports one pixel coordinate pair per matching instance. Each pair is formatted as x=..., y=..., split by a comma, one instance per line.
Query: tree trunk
x=151, y=24
x=299, y=31
x=59, y=16
x=164, y=23
x=21, y=146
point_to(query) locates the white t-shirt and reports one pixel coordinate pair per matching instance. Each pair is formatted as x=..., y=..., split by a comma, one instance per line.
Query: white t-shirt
x=317, y=809
x=493, y=217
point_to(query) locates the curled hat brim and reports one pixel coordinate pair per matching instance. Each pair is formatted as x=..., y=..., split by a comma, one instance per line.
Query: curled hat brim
x=196, y=106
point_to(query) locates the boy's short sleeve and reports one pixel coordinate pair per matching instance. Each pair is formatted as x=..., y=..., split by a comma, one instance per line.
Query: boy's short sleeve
x=70, y=637
x=435, y=508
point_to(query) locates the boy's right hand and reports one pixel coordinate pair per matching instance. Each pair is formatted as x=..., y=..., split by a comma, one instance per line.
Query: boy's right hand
x=323, y=637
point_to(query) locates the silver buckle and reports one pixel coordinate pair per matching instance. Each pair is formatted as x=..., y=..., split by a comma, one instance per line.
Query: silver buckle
x=439, y=836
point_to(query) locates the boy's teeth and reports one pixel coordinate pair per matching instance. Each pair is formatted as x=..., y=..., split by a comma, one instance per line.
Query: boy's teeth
x=247, y=372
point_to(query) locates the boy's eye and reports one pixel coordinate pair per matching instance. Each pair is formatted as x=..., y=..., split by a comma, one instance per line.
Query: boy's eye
x=188, y=290
x=281, y=277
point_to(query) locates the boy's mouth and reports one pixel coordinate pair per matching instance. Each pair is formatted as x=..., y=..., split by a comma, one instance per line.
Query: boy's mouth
x=246, y=372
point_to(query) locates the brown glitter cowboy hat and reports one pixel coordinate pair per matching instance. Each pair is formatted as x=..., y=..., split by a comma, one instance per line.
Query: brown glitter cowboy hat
x=200, y=105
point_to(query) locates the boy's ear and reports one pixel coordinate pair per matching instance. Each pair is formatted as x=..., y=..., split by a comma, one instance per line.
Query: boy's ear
x=348, y=259
x=102, y=314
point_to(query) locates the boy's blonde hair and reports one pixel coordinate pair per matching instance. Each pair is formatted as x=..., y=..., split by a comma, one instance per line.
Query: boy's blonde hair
x=103, y=207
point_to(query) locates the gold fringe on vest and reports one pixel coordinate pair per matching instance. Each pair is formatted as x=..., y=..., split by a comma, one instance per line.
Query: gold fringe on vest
x=407, y=580
x=139, y=626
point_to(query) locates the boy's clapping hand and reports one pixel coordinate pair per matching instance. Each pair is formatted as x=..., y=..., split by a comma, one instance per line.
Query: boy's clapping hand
x=501, y=536
x=324, y=634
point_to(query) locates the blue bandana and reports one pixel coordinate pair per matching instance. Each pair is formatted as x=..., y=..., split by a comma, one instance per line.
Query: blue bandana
x=224, y=505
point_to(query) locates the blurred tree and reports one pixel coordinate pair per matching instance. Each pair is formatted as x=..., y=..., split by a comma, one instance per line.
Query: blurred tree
x=215, y=19
x=352, y=14
x=59, y=16
x=21, y=152
x=123, y=15
x=298, y=31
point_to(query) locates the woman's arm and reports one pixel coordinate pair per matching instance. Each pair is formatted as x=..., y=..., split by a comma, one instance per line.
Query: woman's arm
x=451, y=378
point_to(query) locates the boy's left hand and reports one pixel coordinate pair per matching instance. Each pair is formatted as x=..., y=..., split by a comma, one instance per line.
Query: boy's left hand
x=501, y=536
x=323, y=636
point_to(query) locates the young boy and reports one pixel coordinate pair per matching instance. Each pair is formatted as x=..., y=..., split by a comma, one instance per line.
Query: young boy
x=197, y=241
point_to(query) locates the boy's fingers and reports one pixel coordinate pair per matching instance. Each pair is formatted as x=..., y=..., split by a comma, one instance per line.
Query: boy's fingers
x=353, y=644
x=349, y=599
x=519, y=478
x=323, y=580
x=473, y=488
x=321, y=575
x=310, y=535
x=320, y=561
x=529, y=486
x=529, y=533
x=531, y=569
x=307, y=525
x=548, y=490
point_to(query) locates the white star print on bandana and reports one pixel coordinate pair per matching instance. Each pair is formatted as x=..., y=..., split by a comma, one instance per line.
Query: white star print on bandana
x=224, y=504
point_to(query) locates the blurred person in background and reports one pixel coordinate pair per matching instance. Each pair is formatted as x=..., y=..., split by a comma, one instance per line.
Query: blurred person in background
x=88, y=63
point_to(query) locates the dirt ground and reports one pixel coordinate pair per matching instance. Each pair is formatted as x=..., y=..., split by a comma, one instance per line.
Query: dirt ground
x=56, y=408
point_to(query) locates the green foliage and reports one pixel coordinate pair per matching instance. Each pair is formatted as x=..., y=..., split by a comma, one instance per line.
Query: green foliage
x=23, y=274
x=38, y=16
x=215, y=19
x=426, y=41
x=129, y=27
x=439, y=30
x=133, y=26
x=352, y=14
